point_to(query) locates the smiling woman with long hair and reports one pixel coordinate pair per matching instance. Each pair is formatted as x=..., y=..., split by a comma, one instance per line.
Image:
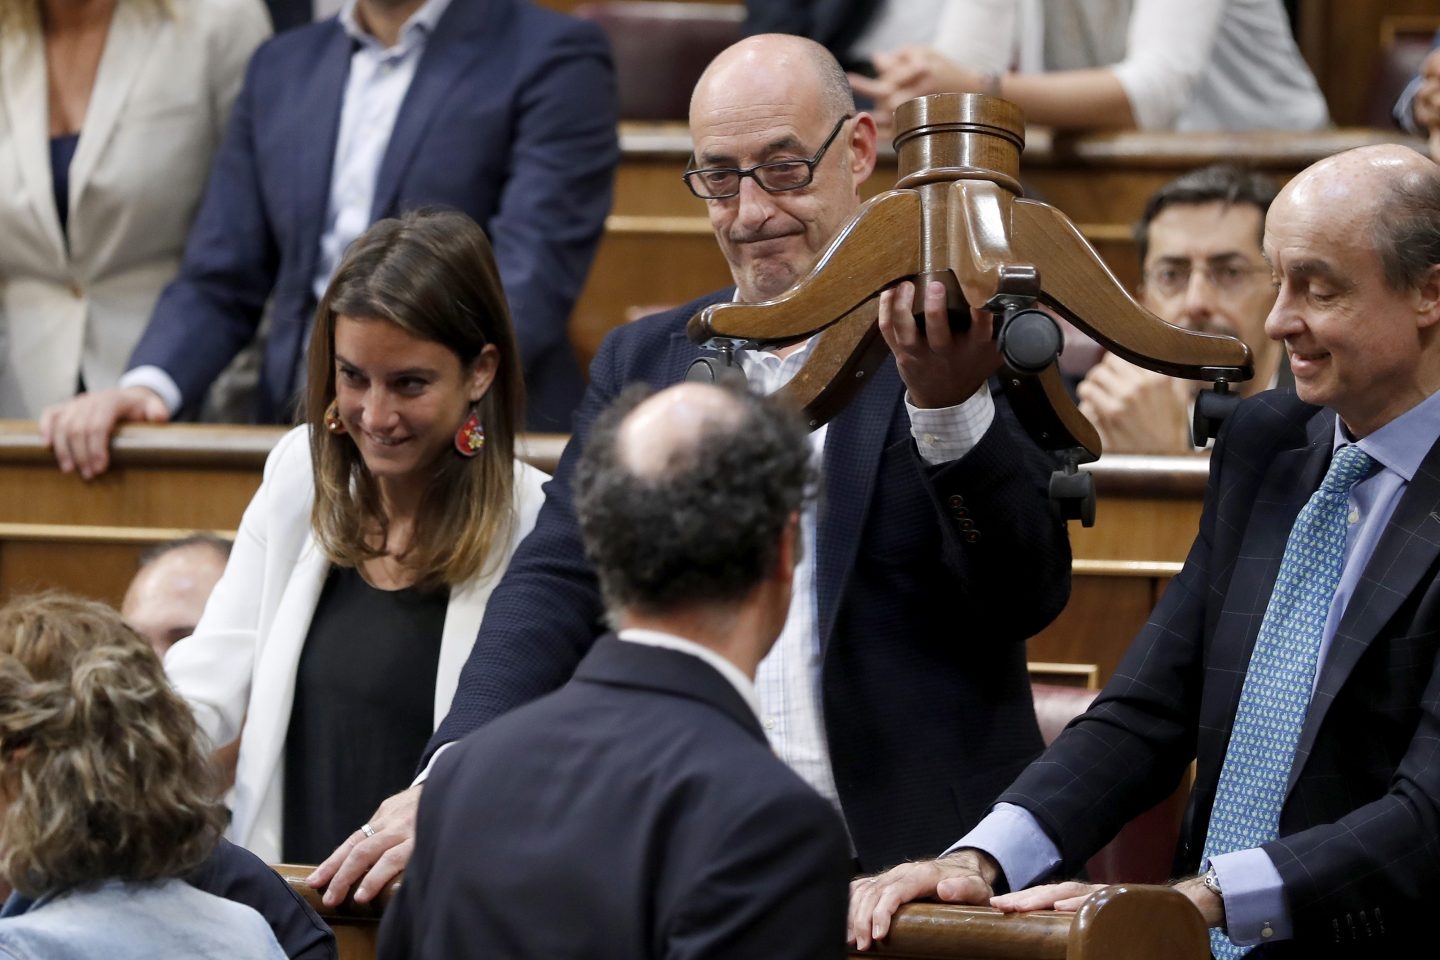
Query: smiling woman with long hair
x=364, y=563
x=107, y=797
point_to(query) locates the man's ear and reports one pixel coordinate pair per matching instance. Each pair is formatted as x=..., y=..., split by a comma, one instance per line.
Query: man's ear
x=1427, y=298
x=863, y=150
x=789, y=553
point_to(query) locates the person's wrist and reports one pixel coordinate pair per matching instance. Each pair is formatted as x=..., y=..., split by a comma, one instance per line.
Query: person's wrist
x=1205, y=896
x=977, y=860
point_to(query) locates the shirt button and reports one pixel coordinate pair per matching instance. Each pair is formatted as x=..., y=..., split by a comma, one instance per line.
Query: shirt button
x=770, y=723
x=1354, y=516
x=1267, y=932
x=930, y=439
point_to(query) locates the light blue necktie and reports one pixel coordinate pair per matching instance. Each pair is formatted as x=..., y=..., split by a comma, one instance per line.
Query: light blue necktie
x=1281, y=674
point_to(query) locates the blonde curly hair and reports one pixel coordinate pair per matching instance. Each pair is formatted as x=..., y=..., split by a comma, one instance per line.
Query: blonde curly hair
x=102, y=770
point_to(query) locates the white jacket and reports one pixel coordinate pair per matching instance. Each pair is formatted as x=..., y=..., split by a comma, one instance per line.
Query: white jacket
x=240, y=666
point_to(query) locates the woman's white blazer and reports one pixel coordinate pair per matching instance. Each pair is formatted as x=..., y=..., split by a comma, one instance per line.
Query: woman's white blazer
x=156, y=115
x=240, y=666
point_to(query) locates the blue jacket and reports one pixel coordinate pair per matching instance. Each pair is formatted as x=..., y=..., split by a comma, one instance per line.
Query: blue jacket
x=511, y=118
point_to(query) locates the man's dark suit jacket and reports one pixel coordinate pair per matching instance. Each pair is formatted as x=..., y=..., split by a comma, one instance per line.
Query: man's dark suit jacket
x=836, y=24
x=635, y=813
x=928, y=581
x=510, y=118
x=1359, y=852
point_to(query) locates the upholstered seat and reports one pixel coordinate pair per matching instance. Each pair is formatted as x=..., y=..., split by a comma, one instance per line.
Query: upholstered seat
x=660, y=49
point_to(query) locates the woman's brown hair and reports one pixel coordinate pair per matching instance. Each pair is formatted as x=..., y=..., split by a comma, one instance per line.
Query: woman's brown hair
x=431, y=273
x=103, y=772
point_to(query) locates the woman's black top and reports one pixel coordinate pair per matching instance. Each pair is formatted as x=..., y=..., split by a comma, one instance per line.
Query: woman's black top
x=62, y=152
x=364, y=708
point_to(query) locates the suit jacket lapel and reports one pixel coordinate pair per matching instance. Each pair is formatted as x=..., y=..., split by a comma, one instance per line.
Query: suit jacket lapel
x=127, y=50
x=1406, y=552
x=460, y=37
x=23, y=83
x=618, y=663
x=853, y=448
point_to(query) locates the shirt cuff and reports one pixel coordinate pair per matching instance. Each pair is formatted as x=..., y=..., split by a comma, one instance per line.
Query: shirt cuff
x=948, y=433
x=1255, y=907
x=155, y=379
x=1015, y=839
x=425, y=774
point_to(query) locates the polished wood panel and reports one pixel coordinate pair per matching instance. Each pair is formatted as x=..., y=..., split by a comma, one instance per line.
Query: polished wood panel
x=1146, y=518
x=356, y=926
x=58, y=531
x=1342, y=39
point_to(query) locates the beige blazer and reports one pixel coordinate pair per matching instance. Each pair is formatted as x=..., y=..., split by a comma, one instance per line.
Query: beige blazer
x=241, y=664
x=158, y=109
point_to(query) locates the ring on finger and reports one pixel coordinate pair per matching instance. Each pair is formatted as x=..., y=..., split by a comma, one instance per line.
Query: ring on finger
x=368, y=830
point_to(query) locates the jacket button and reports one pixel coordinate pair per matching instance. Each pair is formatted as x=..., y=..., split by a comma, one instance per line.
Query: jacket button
x=972, y=536
x=956, y=501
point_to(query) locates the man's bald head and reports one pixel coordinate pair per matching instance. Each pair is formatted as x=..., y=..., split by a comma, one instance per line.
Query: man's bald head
x=1387, y=190
x=773, y=99
x=1354, y=243
x=167, y=595
x=683, y=495
x=776, y=60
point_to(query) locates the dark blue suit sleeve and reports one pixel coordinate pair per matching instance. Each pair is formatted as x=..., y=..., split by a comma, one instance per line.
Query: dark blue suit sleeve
x=547, y=610
x=237, y=874
x=212, y=309
x=557, y=193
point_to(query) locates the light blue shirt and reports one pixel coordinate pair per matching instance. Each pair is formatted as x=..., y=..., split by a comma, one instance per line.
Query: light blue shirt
x=1255, y=907
x=137, y=921
x=379, y=79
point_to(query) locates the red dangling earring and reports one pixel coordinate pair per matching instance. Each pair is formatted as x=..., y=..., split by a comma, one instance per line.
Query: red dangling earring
x=471, y=435
x=333, y=423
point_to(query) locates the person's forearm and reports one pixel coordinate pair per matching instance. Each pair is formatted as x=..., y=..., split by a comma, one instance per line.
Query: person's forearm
x=1071, y=99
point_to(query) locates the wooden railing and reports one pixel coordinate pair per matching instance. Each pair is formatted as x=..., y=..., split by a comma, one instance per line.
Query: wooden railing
x=166, y=481
x=1121, y=922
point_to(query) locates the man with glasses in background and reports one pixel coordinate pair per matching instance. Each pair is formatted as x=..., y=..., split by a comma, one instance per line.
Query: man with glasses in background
x=929, y=558
x=1199, y=245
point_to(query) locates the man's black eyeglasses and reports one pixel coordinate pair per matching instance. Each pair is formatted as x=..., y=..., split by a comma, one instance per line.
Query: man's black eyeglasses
x=777, y=176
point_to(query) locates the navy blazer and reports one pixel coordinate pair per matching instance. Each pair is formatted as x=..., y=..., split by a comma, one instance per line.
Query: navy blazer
x=1359, y=851
x=836, y=24
x=511, y=118
x=635, y=813
x=928, y=582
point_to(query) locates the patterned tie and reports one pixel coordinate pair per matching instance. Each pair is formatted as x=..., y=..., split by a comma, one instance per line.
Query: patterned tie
x=1281, y=674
